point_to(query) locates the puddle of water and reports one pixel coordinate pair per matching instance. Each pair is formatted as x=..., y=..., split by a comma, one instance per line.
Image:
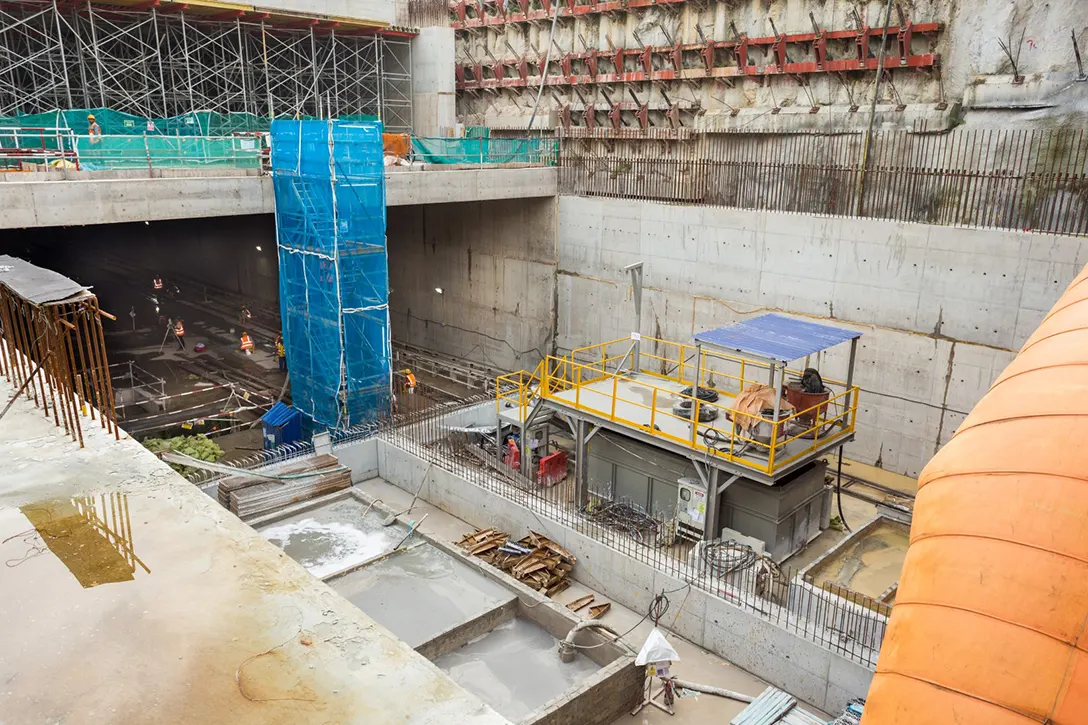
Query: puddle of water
x=870, y=564
x=91, y=536
x=515, y=668
x=420, y=593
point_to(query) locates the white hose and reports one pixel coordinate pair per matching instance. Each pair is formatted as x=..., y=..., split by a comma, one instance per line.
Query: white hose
x=567, y=646
x=707, y=689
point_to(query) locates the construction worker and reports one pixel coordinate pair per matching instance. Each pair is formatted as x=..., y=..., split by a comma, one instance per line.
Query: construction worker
x=179, y=333
x=247, y=343
x=157, y=283
x=281, y=353
x=409, y=381
x=244, y=315
x=93, y=129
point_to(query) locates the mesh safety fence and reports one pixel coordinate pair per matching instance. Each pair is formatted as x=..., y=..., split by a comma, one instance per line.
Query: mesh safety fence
x=485, y=150
x=329, y=183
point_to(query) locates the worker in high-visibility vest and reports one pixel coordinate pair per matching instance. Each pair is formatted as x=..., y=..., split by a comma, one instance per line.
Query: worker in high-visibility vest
x=247, y=343
x=179, y=333
x=281, y=353
x=157, y=283
x=409, y=381
x=93, y=129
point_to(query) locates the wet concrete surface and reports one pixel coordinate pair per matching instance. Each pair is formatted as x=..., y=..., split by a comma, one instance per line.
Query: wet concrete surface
x=870, y=563
x=420, y=593
x=333, y=537
x=127, y=596
x=515, y=668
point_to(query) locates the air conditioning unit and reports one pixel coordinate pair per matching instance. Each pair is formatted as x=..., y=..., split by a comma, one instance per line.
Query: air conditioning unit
x=691, y=503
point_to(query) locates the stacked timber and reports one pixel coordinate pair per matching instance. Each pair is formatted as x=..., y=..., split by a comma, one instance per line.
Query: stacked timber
x=535, y=560
x=230, y=484
x=266, y=496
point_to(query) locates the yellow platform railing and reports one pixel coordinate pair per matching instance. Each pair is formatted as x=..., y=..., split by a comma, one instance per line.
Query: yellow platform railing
x=599, y=380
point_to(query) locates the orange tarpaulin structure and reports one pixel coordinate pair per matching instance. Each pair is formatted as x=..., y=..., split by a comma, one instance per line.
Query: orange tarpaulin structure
x=989, y=620
x=397, y=144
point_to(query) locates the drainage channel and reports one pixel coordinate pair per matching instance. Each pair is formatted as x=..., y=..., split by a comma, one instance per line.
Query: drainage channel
x=492, y=635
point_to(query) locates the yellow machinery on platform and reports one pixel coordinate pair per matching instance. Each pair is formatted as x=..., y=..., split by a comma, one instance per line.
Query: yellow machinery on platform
x=605, y=382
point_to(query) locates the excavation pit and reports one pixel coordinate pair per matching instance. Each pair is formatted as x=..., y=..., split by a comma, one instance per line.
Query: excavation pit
x=492, y=635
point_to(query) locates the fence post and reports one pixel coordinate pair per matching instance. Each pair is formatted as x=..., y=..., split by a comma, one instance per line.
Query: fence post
x=147, y=151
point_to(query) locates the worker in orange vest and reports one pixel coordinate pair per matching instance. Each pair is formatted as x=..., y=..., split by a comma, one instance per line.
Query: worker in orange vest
x=93, y=129
x=157, y=283
x=409, y=381
x=281, y=353
x=247, y=343
x=179, y=333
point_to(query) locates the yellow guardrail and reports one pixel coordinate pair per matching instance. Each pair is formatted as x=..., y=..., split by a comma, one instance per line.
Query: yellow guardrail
x=595, y=379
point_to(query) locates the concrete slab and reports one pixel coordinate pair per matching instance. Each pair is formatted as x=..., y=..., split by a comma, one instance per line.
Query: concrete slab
x=420, y=593
x=515, y=668
x=169, y=590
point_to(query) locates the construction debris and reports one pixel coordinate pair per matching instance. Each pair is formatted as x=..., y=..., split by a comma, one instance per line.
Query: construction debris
x=599, y=610
x=535, y=560
x=580, y=603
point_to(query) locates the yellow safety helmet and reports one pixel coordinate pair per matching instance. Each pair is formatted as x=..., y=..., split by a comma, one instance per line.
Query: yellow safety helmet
x=90, y=116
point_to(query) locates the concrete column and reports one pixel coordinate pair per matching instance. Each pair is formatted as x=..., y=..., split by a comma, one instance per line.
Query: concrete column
x=581, y=462
x=434, y=90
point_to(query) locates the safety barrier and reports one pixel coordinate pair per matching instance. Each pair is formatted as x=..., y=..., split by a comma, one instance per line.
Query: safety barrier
x=535, y=151
x=29, y=149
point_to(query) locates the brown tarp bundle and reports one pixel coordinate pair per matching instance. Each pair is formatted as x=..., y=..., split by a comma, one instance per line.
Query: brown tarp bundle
x=748, y=405
x=397, y=144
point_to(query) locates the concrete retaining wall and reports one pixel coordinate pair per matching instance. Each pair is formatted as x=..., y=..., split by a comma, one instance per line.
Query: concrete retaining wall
x=495, y=264
x=820, y=677
x=942, y=309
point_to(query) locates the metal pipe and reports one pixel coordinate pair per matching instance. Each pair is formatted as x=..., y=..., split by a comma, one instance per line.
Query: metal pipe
x=707, y=689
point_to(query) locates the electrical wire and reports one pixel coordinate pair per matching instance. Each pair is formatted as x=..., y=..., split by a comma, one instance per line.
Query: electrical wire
x=656, y=610
x=838, y=492
x=727, y=557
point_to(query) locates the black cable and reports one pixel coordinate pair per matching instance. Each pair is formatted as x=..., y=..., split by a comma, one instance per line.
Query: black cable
x=838, y=492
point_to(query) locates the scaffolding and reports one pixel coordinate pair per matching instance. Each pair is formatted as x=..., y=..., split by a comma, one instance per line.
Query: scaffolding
x=157, y=63
x=329, y=183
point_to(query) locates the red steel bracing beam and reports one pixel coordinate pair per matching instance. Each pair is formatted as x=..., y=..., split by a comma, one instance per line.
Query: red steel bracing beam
x=670, y=54
x=568, y=9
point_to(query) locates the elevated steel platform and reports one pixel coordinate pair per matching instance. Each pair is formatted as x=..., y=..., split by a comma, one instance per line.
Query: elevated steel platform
x=602, y=386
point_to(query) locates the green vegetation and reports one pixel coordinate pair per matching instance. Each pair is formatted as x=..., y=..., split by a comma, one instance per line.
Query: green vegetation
x=199, y=446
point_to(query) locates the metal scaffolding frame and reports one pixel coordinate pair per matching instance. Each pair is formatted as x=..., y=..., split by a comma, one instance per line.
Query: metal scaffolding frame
x=157, y=64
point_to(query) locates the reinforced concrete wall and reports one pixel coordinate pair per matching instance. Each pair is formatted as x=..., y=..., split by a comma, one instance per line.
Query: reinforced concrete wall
x=494, y=263
x=942, y=309
x=812, y=673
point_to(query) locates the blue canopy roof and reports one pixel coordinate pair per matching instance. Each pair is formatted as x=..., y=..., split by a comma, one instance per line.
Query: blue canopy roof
x=776, y=337
x=279, y=414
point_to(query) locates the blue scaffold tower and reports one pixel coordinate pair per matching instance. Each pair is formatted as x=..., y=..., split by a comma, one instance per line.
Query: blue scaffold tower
x=329, y=184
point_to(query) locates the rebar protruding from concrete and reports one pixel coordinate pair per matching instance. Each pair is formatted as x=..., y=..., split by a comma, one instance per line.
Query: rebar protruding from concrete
x=707, y=689
x=567, y=647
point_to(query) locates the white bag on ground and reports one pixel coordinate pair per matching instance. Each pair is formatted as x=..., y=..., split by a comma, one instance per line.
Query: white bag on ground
x=656, y=649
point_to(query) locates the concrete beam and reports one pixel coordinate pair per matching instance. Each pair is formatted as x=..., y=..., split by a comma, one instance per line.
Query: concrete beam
x=77, y=198
x=405, y=188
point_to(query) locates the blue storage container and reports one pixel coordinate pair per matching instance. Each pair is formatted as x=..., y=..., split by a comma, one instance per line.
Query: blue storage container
x=282, y=424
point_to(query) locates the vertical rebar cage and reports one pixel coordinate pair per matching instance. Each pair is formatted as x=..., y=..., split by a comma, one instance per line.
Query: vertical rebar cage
x=53, y=348
x=329, y=183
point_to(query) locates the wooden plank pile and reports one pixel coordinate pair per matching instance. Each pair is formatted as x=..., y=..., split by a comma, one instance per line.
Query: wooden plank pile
x=535, y=560
x=249, y=496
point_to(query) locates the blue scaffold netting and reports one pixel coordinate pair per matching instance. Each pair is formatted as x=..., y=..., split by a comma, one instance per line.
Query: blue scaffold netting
x=334, y=280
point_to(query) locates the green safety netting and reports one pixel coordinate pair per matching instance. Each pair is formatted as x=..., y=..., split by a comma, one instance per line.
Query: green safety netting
x=135, y=152
x=477, y=132
x=484, y=150
x=194, y=123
